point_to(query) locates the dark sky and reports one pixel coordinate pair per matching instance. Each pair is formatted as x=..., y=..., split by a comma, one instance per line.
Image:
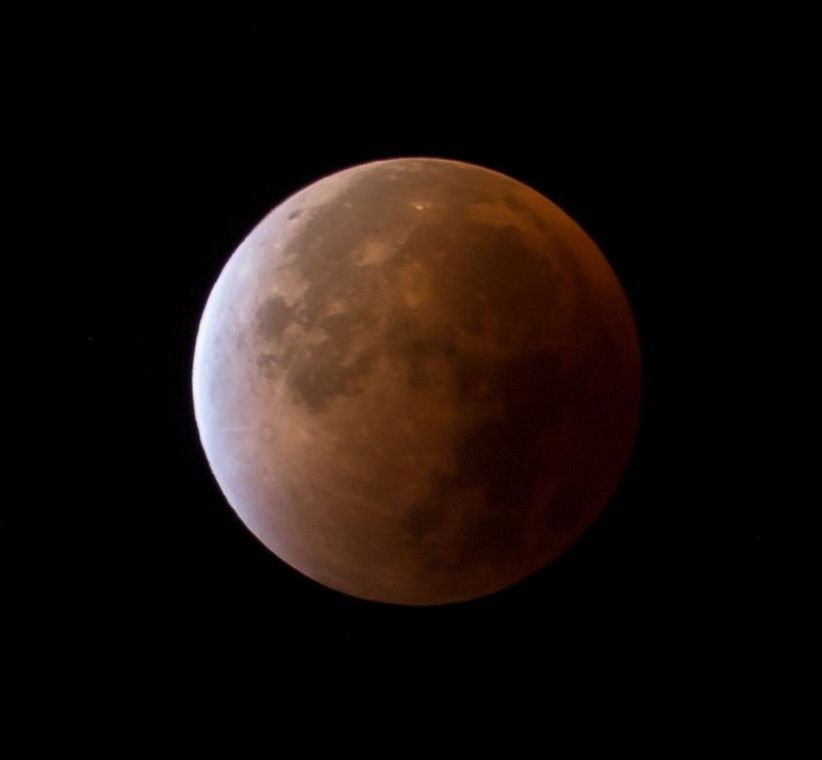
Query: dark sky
x=154, y=625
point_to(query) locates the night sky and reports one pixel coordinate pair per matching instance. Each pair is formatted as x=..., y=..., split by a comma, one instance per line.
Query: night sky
x=153, y=623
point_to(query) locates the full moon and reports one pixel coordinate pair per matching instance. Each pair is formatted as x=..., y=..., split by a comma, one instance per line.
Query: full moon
x=417, y=381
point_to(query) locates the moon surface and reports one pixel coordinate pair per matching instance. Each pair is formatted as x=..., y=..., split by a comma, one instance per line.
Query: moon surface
x=417, y=381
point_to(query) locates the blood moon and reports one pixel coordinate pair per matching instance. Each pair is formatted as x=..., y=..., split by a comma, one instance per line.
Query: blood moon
x=417, y=381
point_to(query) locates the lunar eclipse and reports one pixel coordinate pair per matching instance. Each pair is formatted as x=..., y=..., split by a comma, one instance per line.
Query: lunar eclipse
x=417, y=381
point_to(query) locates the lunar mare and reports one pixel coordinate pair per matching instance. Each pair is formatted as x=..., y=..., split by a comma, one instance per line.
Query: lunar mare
x=417, y=381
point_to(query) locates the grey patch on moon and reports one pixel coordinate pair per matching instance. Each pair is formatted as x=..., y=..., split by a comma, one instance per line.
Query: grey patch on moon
x=273, y=317
x=316, y=381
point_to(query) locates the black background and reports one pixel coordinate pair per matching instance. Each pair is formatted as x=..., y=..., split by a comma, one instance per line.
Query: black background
x=680, y=624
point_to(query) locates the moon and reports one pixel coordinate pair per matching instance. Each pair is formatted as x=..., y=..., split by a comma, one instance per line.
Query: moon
x=417, y=381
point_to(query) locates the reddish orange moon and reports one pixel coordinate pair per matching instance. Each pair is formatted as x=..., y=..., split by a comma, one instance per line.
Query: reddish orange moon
x=417, y=381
